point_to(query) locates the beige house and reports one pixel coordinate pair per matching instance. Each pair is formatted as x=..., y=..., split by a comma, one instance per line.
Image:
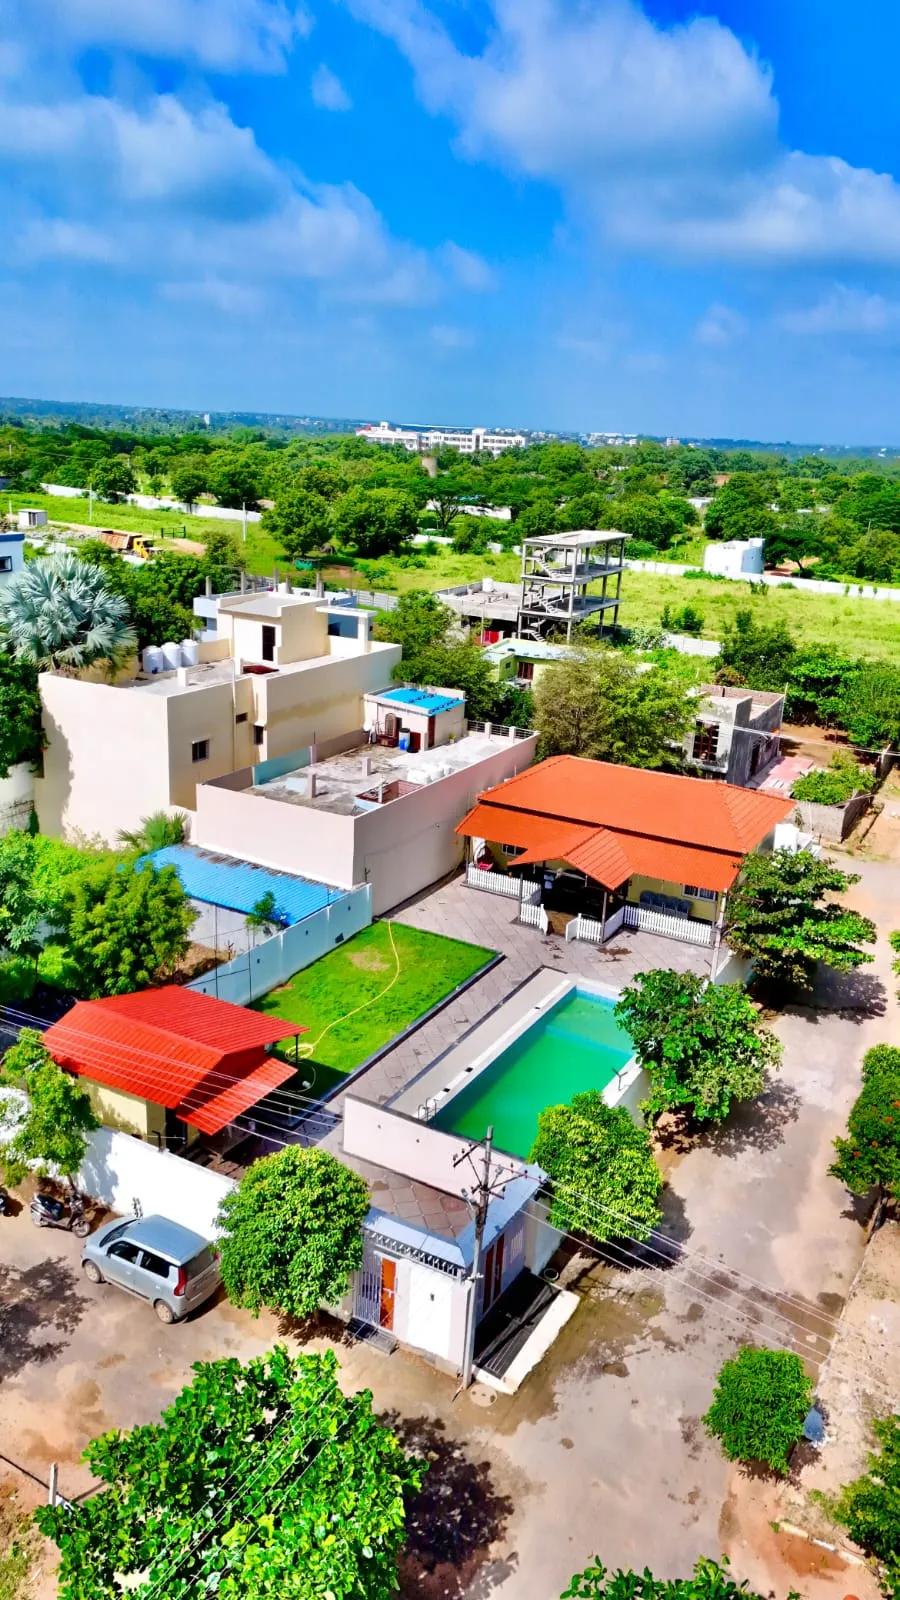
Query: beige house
x=277, y=677
x=377, y=805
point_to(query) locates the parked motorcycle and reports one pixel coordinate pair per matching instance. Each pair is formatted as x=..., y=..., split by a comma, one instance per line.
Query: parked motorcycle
x=47, y=1212
x=4, y=1203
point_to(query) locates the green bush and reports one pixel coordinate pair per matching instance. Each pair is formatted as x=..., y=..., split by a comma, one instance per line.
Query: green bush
x=869, y=1508
x=759, y=1406
x=834, y=785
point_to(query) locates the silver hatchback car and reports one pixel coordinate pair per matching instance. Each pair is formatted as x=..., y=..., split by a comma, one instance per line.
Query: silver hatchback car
x=158, y=1260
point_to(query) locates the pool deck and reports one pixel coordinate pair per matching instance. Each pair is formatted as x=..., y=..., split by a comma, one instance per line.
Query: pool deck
x=427, y=1093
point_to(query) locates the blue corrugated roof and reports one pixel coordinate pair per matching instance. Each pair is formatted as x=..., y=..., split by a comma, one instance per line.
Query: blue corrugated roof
x=421, y=700
x=224, y=881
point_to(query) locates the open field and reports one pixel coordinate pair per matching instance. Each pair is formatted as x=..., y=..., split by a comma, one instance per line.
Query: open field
x=393, y=990
x=262, y=551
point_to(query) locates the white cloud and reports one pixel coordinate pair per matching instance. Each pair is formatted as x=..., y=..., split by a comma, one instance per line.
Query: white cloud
x=222, y=35
x=467, y=267
x=233, y=299
x=47, y=239
x=448, y=337
x=843, y=310
x=664, y=135
x=328, y=92
x=720, y=325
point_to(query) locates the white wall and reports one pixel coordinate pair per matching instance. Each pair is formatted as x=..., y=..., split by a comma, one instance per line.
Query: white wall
x=16, y=798
x=274, y=960
x=407, y=844
x=274, y=833
x=106, y=762
x=151, y=502
x=119, y=1169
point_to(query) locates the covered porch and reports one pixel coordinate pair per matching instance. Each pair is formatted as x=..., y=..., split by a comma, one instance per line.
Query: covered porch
x=586, y=884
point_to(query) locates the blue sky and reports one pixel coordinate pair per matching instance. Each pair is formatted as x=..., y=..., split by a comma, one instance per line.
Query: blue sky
x=560, y=213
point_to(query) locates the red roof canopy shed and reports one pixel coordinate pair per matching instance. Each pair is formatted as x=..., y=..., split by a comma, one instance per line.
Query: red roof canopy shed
x=205, y=1059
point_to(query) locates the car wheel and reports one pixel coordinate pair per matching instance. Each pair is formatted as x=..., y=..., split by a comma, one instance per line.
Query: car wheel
x=92, y=1271
x=164, y=1312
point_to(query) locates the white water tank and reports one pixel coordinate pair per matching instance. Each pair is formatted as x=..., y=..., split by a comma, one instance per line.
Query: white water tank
x=171, y=655
x=152, y=659
x=190, y=652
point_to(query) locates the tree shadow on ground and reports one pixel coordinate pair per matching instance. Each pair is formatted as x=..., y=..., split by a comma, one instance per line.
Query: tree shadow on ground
x=752, y=1125
x=852, y=996
x=452, y=1521
x=32, y=1299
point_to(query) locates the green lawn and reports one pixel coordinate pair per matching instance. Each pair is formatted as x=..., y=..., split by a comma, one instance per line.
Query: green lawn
x=261, y=550
x=323, y=996
x=861, y=627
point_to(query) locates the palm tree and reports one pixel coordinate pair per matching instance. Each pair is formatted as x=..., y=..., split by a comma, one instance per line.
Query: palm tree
x=61, y=613
x=157, y=831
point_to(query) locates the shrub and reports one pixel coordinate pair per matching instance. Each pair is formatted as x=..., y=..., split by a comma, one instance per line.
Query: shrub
x=869, y=1508
x=605, y=1180
x=759, y=1406
x=835, y=784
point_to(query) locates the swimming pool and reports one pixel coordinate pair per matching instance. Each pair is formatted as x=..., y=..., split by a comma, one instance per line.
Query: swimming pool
x=577, y=1044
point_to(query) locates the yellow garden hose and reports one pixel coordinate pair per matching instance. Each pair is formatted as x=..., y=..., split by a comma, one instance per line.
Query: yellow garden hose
x=308, y=1047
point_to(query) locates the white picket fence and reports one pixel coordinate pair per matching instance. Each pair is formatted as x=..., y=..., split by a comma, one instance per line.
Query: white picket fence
x=499, y=883
x=683, y=928
x=534, y=916
x=587, y=928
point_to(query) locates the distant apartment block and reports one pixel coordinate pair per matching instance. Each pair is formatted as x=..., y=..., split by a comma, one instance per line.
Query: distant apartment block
x=736, y=735
x=276, y=676
x=567, y=578
x=468, y=441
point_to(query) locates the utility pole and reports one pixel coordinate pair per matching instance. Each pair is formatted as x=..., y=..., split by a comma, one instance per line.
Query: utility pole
x=482, y=1199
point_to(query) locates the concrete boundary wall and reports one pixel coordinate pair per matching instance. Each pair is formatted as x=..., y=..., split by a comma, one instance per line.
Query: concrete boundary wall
x=16, y=798
x=119, y=1169
x=831, y=823
x=275, y=960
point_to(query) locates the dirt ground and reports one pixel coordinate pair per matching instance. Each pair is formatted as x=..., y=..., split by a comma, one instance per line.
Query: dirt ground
x=879, y=840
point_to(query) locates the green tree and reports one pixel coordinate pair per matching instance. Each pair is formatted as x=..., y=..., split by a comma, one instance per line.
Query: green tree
x=604, y=1179
x=600, y=705
x=799, y=539
x=222, y=562
x=782, y=917
x=656, y=520
x=760, y=652
x=869, y=1157
x=234, y=478
x=817, y=678
x=21, y=731
x=455, y=665
x=710, y=1581
x=263, y=914
x=261, y=1481
x=833, y=785
x=53, y=1133
x=123, y=927
x=22, y=907
x=112, y=477
x=60, y=613
x=373, y=522
x=472, y=536
x=741, y=509
x=869, y=1507
x=448, y=495
x=157, y=831
x=417, y=621
x=869, y=706
x=299, y=521
x=291, y=1232
x=189, y=478
x=701, y=1045
x=875, y=556
x=759, y=1406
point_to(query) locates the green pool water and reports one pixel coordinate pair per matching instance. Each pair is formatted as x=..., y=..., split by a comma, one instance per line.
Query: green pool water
x=577, y=1045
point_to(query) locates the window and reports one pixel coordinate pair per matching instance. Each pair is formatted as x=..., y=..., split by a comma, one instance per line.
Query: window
x=525, y=671
x=512, y=850
x=5, y=563
x=154, y=1264
x=693, y=893
x=200, y=750
x=241, y=716
x=268, y=642
x=706, y=741
x=259, y=733
x=124, y=1251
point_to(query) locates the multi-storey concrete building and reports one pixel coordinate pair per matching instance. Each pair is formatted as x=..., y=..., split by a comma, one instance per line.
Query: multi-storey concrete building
x=468, y=441
x=568, y=577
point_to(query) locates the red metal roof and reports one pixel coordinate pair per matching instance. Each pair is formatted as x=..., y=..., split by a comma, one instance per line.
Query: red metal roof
x=168, y=1045
x=614, y=822
x=222, y=1108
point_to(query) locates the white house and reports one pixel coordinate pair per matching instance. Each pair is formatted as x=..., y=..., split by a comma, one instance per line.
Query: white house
x=12, y=555
x=468, y=441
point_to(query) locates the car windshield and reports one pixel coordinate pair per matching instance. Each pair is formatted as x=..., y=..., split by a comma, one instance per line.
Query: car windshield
x=116, y=1233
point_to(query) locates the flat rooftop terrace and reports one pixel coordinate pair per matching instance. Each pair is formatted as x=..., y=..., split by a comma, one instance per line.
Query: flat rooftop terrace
x=369, y=775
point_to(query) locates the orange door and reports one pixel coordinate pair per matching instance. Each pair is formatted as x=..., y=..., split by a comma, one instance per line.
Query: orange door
x=388, y=1290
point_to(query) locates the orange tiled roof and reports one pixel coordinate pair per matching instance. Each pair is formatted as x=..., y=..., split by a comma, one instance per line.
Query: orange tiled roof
x=613, y=822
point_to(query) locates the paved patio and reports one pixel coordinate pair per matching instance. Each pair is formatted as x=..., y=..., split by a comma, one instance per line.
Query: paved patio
x=459, y=912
